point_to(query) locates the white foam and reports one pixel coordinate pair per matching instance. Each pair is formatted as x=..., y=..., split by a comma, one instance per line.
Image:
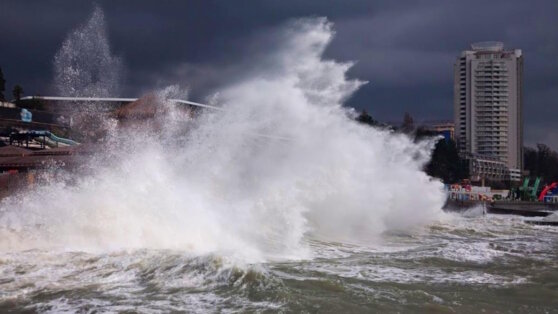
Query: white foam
x=211, y=186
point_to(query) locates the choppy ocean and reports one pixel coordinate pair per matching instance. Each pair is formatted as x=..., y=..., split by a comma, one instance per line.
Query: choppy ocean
x=492, y=264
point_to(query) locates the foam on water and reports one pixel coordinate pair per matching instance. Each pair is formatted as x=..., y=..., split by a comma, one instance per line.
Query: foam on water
x=552, y=217
x=476, y=211
x=180, y=282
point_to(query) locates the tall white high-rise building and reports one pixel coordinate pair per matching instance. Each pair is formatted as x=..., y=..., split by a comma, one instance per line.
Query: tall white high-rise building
x=488, y=103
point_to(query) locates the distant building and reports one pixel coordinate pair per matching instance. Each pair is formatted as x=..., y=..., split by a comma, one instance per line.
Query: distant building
x=490, y=168
x=488, y=104
x=7, y=105
x=444, y=128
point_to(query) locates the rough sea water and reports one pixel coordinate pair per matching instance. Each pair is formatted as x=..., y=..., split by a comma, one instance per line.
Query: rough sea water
x=280, y=202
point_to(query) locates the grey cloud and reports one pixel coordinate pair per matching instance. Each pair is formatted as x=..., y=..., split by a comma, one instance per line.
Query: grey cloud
x=405, y=49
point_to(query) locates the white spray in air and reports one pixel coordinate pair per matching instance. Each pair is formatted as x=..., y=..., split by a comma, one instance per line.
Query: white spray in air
x=214, y=184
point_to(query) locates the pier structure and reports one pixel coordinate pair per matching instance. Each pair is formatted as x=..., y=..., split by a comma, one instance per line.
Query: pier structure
x=35, y=131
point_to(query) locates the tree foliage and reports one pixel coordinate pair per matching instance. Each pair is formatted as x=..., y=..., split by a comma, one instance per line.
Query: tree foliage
x=541, y=162
x=365, y=118
x=446, y=164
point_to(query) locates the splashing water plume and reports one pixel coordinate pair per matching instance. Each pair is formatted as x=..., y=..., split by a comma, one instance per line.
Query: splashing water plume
x=85, y=67
x=213, y=184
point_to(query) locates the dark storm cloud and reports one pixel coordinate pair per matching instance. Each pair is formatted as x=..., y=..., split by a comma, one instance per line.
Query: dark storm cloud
x=405, y=49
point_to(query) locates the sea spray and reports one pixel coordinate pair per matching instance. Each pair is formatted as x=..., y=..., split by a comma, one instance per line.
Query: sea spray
x=84, y=66
x=281, y=163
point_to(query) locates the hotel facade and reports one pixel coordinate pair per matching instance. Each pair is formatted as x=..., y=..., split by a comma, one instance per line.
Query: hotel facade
x=488, y=109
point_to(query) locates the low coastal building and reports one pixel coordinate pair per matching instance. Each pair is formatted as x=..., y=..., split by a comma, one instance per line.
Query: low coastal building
x=467, y=192
x=483, y=167
x=444, y=128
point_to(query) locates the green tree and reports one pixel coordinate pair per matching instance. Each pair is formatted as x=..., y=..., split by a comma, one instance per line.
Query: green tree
x=2, y=85
x=446, y=163
x=541, y=162
x=17, y=92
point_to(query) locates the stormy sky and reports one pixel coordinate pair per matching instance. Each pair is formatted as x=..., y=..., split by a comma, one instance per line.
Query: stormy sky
x=404, y=49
